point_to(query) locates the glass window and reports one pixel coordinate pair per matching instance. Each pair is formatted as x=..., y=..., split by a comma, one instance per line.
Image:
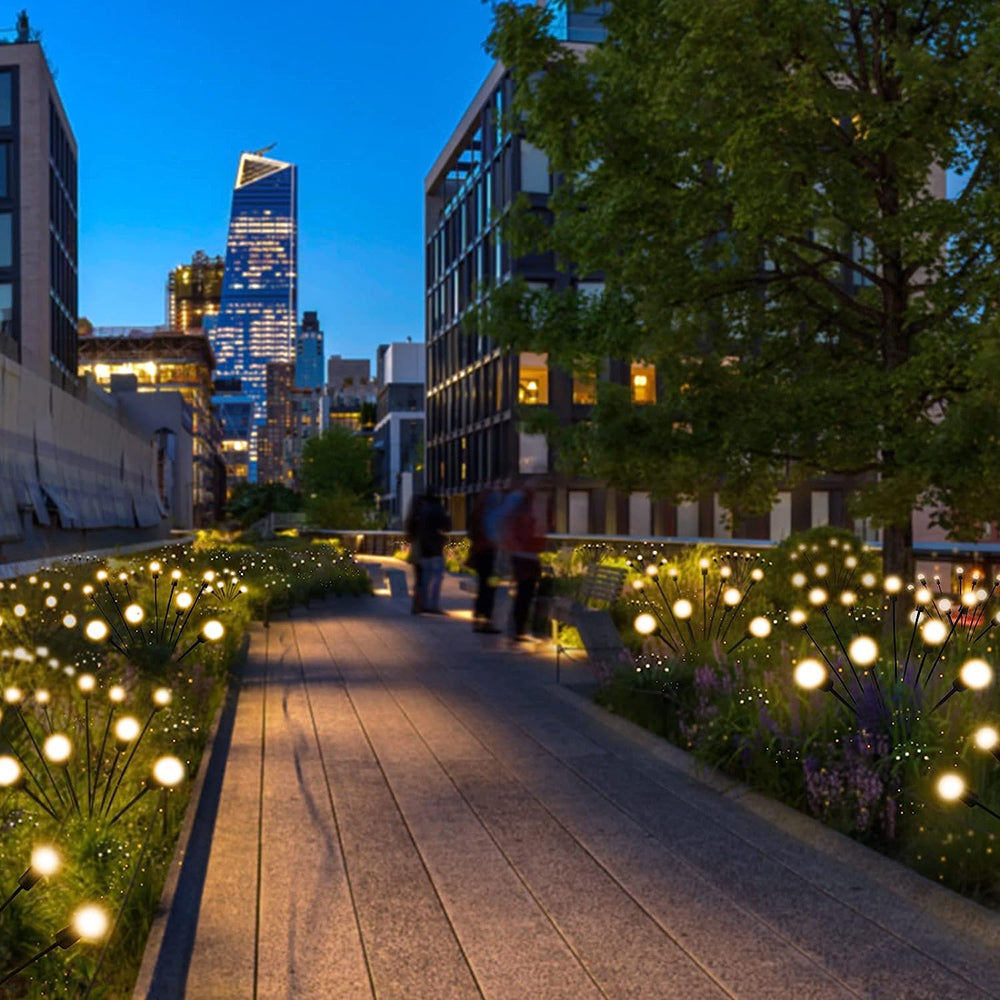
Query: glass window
x=6, y=239
x=6, y=116
x=584, y=389
x=7, y=308
x=643, y=383
x=4, y=169
x=533, y=379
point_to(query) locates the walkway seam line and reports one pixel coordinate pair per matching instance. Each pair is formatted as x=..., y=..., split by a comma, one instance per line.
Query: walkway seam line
x=333, y=812
x=399, y=810
x=260, y=809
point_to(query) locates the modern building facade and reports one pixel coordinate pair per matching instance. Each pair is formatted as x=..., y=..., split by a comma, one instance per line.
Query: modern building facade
x=168, y=361
x=194, y=291
x=347, y=372
x=75, y=472
x=309, y=353
x=397, y=445
x=235, y=410
x=258, y=310
x=274, y=465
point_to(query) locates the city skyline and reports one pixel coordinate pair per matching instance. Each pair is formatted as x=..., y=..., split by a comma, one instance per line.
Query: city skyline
x=348, y=122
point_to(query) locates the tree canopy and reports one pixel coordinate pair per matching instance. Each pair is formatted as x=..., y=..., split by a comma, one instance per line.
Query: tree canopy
x=338, y=459
x=759, y=185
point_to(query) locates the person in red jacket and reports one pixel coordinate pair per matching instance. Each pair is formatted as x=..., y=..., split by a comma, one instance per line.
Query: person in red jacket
x=524, y=539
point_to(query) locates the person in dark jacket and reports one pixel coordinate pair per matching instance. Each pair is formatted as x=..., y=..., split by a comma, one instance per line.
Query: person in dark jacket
x=483, y=526
x=524, y=539
x=431, y=523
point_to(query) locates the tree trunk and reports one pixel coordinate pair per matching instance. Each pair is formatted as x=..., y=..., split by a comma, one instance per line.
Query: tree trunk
x=897, y=551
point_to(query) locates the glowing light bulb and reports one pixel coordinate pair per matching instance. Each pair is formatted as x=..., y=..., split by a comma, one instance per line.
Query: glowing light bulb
x=175, y=574
x=10, y=771
x=20, y=610
x=987, y=738
x=102, y=575
x=13, y=694
x=848, y=597
x=644, y=624
x=213, y=630
x=184, y=600
x=168, y=771
x=922, y=596
x=821, y=569
x=116, y=694
x=651, y=570
x=86, y=683
x=162, y=697
x=797, y=616
x=851, y=562
x=757, y=575
x=57, y=748
x=933, y=632
x=134, y=614
x=42, y=697
x=868, y=580
x=760, y=627
x=69, y=621
x=96, y=630
x=799, y=579
x=90, y=923
x=154, y=568
x=951, y=787
x=810, y=674
x=818, y=596
x=703, y=565
x=975, y=674
x=731, y=596
x=50, y=601
x=45, y=860
x=863, y=650
x=683, y=608
x=892, y=584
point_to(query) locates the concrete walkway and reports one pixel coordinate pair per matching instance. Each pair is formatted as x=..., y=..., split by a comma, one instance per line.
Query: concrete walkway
x=410, y=810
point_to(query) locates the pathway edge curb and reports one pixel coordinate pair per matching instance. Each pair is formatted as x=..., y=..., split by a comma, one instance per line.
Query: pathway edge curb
x=146, y=977
x=963, y=916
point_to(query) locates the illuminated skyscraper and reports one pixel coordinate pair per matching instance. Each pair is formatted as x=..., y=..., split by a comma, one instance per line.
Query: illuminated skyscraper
x=259, y=308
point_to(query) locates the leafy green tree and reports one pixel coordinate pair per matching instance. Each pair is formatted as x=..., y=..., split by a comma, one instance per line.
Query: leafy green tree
x=759, y=184
x=252, y=501
x=337, y=458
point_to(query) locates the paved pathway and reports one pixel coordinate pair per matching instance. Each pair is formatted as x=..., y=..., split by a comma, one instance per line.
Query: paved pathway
x=410, y=810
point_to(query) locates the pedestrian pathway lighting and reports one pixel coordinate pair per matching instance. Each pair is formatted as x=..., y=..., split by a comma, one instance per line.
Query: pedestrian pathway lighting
x=988, y=739
x=952, y=787
x=88, y=924
x=975, y=675
x=758, y=628
x=811, y=675
x=45, y=862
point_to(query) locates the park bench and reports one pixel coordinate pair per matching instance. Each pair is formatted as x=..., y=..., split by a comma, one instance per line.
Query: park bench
x=601, y=642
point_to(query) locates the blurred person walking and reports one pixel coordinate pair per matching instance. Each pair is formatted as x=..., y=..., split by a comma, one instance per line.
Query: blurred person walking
x=431, y=524
x=524, y=539
x=484, y=523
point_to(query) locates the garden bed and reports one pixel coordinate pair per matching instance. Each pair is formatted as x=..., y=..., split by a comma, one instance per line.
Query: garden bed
x=112, y=812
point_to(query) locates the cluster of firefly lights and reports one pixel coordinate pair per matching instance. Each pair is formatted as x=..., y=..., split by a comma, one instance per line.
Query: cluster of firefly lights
x=31, y=772
x=937, y=629
x=127, y=629
x=941, y=622
x=734, y=586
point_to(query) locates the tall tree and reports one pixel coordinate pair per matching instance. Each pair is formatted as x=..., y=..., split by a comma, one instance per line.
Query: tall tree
x=761, y=183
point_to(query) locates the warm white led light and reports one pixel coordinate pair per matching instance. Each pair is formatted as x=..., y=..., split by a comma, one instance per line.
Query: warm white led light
x=976, y=674
x=810, y=674
x=987, y=738
x=168, y=771
x=645, y=624
x=57, y=748
x=951, y=787
x=134, y=614
x=934, y=632
x=127, y=729
x=863, y=651
x=96, y=630
x=760, y=627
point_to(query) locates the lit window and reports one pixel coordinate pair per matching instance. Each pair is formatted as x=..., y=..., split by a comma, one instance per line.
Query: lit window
x=533, y=379
x=584, y=390
x=643, y=383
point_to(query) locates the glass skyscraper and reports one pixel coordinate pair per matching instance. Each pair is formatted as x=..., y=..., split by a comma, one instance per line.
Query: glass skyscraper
x=259, y=308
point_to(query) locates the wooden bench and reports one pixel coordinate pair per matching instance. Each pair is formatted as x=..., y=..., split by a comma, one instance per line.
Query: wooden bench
x=601, y=642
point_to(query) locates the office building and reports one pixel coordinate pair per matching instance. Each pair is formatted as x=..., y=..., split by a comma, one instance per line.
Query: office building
x=235, y=411
x=194, y=291
x=397, y=445
x=309, y=353
x=347, y=372
x=168, y=361
x=75, y=471
x=476, y=390
x=258, y=310
x=274, y=465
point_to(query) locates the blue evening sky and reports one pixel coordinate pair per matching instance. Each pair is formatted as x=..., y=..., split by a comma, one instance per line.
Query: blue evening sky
x=163, y=97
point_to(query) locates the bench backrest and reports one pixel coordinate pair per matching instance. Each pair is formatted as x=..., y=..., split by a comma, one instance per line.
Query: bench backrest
x=602, y=583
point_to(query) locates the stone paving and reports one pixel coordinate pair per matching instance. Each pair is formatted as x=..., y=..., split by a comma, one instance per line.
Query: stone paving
x=410, y=810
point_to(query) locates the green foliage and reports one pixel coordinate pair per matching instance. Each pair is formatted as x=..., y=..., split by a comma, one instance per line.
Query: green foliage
x=340, y=508
x=100, y=860
x=252, y=501
x=337, y=460
x=751, y=181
